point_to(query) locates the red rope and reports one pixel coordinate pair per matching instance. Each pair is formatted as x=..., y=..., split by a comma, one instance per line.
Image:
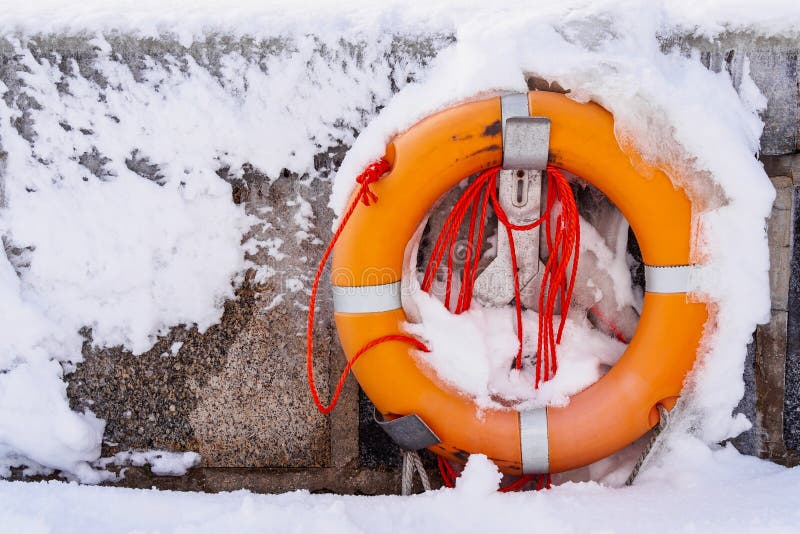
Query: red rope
x=563, y=244
x=371, y=174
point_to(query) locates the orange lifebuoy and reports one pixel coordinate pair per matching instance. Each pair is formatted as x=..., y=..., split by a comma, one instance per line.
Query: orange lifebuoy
x=432, y=157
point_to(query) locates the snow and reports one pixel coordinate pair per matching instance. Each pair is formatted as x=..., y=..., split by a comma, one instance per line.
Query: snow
x=474, y=351
x=175, y=347
x=38, y=428
x=131, y=256
x=160, y=462
x=760, y=497
x=187, y=20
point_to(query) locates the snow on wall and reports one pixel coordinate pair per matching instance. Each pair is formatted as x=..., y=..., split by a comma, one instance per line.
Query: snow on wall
x=114, y=218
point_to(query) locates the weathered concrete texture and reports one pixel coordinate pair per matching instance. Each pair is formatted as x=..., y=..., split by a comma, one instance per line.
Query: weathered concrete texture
x=772, y=69
x=773, y=66
x=764, y=375
x=375, y=449
x=769, y=372
x=779, y=234
x=250, y=414
x=791, y=414
x=354, y=480
x=176, y=402
x=237, y=393
x=748, y=442
x=775, y=384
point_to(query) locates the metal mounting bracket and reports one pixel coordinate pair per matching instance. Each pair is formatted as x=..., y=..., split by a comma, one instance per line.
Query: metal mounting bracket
x=409, y=432
x=526, y=139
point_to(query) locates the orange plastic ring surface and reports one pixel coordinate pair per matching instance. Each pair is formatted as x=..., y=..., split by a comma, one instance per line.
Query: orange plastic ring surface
x=432, y=157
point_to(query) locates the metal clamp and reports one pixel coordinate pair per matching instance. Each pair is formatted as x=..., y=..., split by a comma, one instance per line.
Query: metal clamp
x=409, y=432
x=526, y=139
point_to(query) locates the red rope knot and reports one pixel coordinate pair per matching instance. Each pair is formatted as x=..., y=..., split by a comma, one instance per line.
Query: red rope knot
x=371, y=174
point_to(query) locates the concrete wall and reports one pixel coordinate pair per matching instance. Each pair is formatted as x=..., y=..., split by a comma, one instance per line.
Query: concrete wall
x=237, y=394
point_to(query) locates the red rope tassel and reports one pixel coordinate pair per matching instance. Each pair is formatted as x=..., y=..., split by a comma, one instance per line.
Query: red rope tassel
x=563, y=241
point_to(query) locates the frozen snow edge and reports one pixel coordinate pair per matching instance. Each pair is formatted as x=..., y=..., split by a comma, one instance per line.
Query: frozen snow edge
x=190, y=19
x=161, y=463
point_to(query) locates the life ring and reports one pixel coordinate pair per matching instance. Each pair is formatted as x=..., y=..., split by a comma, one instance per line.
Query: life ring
x=429, y=159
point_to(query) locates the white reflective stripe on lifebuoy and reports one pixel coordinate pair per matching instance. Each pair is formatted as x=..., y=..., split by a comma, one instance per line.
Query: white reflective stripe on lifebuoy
x=666, y=278
x=534, y=442
x=367, y=299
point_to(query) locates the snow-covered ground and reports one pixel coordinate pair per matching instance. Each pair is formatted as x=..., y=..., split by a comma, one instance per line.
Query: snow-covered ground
x=730, y=493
